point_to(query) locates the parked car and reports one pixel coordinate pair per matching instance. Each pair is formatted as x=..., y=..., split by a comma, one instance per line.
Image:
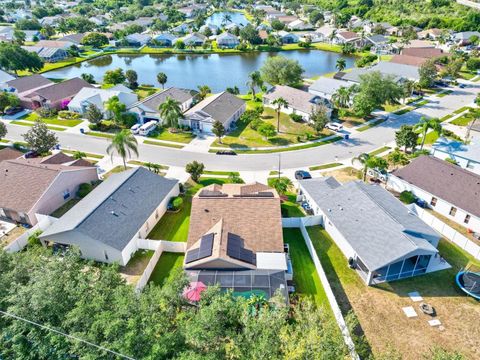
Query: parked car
x=378, y=174
x=302, y=175
x=462, y=86
x=334, y=126
x=135, y=128
x=31, y=154
x=226, y=152
x=13, y=110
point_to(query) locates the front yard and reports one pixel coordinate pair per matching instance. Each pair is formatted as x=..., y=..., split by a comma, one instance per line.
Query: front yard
x=33, y=116
x=164, y=134
x=379, y=308
x=291, y=132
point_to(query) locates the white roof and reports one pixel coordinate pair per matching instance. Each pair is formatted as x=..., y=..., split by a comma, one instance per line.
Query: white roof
x=271, y=261
x=327, y=86
x=4, y=77
x=98, y=96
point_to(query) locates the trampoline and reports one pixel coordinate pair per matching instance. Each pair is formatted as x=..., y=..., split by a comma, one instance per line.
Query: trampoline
x=469, y=281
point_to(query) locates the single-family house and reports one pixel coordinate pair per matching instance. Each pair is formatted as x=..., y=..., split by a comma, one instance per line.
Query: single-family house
x=181, y=29
x=378, y=235
x=448, y=189
x=326, y=33
x=467, y=156
x=98, y=97
x=75, y=39
x=138, y=39
x=371, y=27
x=148, y=109
x=287, y=38
x=24, y=85
x=432, y=34
x=107, y=223
x=326, y=87
x=212, y=28
x=424, y=52
x=299, y=25
x=59, y=44
x=463, y=38
x=227, y=40
x=165, y=39
x=9, y=153
x=48, y=54
x=398, y=71
x=4, y=79
x=40, y=185
x=379, y=43
x=235, y=240
x=348, y=37
x=223, y=107
x=299, y=102
x=194, y=39
x=408, y=60
x=54, y=96
x=287, y=19
x=7, y=34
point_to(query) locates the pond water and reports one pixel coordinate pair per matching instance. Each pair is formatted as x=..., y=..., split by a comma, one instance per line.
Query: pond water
x=219, y=18
x=218, y=71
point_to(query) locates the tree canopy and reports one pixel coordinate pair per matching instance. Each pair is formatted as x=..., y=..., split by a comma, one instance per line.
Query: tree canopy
x=278, y=70
x=14, y=58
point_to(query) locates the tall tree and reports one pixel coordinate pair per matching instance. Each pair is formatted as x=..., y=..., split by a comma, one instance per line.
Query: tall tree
x=39, y=138
x=195, y=169
x=341, y=64
x=281, y=184
x=406, y=137
x=3, y=130
x=279, y=104
x=124, y=144
x=319, y=118
x=203, y=91
x=162, y=79
x=93, y=114
x=116, y=108
x=254, y=81
x=171, y=112
x=114, y=76
x=424, y=125
x=280, y=70
x=15, y=58
x=428, y=74
x=132, y=77
x=219, y=130
x=341, y=98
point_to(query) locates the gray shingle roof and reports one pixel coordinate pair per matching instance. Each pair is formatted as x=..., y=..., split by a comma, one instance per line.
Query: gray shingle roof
x=29, y=82
x=446, y=181
x=377, y=226
x=220, y=107
x=117, y=208
x=152, y=102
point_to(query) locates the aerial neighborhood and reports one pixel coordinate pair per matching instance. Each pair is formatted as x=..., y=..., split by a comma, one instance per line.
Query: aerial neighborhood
x=206, y=179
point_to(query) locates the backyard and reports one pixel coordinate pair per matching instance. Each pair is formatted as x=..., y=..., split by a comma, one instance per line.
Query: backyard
x=379, y=308
x=291, y=132
x=136, y=266
x=166, y=266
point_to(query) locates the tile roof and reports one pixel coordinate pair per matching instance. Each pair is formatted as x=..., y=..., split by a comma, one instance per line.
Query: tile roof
x=426, y=52
x=238, y=209
x=446, y=181
x=378, y=227
x=408, y=60
x=116, y=209
x=54, y=44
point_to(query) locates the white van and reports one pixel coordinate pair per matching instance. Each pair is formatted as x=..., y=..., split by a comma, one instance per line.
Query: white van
x=135, y=128
x=147, y=128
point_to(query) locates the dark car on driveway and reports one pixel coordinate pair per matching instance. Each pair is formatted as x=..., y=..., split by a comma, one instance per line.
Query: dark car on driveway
x=13, y=110
x=226, y=152
x=302, y=175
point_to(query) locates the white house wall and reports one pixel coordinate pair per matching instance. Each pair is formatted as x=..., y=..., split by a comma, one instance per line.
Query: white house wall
x=466, y=164
x=442, y=207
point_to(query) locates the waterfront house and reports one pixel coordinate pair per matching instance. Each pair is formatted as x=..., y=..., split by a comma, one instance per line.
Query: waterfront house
x=48, y=54
x=326, y=87
x=148, y=109
x=377, y=234
x=24, y=85
x=194, y=39
x=40, y=185
x=287, y=38
x=75, y=39
x=4, y=79
x=446, y=188
x=58, y=44
x=299, y=25
x=137, y=39
x=348, y=37
x=107, y=223
x=165, y=39
x=223, y=107
x=227, y=40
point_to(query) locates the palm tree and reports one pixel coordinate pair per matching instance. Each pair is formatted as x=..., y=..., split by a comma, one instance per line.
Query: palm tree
x=227, y=18
x=426, y=124
x=162, y=79
x=370, y=162
x=79, y=155
x=279, y=104
x=333, y=35
x=341, y=97
x=171, y=112
x=123, y=143
x=116, y=108
x=341, y=64
x=255, y=80
x=203, y=91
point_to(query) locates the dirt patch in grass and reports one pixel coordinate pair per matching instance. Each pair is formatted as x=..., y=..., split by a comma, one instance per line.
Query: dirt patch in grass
x=136, y=266
x=344, y=175
x=11, y=236
x=379, y=308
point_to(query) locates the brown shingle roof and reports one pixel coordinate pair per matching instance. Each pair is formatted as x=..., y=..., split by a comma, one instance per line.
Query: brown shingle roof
x=9, y=154
x=423, y=52
x=63, y=90
x=408, y=60
x=29, y=82
x=446, y=181
x=257, y=220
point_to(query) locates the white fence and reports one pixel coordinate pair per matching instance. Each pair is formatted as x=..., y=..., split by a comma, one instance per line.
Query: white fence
x=302, y=223
x=159, y=246
x=19, y=243
x=447, y=231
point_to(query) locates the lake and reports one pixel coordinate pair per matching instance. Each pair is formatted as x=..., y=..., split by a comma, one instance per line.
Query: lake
x=218, y=71
x=235, y=17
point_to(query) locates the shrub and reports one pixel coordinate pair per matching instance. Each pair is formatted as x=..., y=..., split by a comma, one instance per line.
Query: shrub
x=407, y=197
x=128, y=120
x=68, y=115
x=366, y=60
x=84, y=189
x=46, y=113
x=256, y=123
x=33, y=239
x=296, y=117
x=177, y=203
x=105, y=125
x=235, y=178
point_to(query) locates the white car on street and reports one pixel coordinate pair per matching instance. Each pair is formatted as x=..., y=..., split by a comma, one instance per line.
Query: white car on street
x=334, y=126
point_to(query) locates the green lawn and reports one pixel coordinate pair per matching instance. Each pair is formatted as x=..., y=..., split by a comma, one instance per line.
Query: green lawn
x=100, y=134
x=156, y=143
x=445, y=93
x=144, y=91
x=431, y=137
x=141, y=163
x=290, y=131
x=404, y=110
x=33, y=116
x=226, y=173
x=372, y=124
x=164, y=134
x=166, y=267
x=90, y=155
x=462, y=109
x=115, y=170
x=379, y=151
x=291, y=208
x=30, y=124
x=462, y=120
x=325, y=166
x=65, y=207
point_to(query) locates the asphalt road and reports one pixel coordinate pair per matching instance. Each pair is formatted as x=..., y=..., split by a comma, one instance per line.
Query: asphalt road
x=359, y=142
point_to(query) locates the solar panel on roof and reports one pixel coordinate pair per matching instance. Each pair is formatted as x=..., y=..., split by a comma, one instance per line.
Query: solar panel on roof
x=236, y=250
x=205, y=249
x=260, y=195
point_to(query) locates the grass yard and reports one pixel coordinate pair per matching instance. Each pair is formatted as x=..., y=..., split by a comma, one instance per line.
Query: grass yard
x=163, y=134
x=225, y=173
x=290, y=131
x=372, y=124
x=462, y=109
x=404, y=110
x=166, y=267
x=136, y=266
x=290, y=207
x=33, y=116
x=345, y=174
x=65, y=207
x=463, y=120
x=100, y=134
x=89, y=155
x=445, y=93
x=379, y=308
x=115, y=170
x=431, y=137
x=156, y=143
x=144, y=91
x=305, y=277
x=325, y=166
x=30, y=124
x=379, y=151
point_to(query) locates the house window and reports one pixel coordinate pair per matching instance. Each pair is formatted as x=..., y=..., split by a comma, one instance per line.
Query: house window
x=467, y=219
x=433, y=202
x=453, y=211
